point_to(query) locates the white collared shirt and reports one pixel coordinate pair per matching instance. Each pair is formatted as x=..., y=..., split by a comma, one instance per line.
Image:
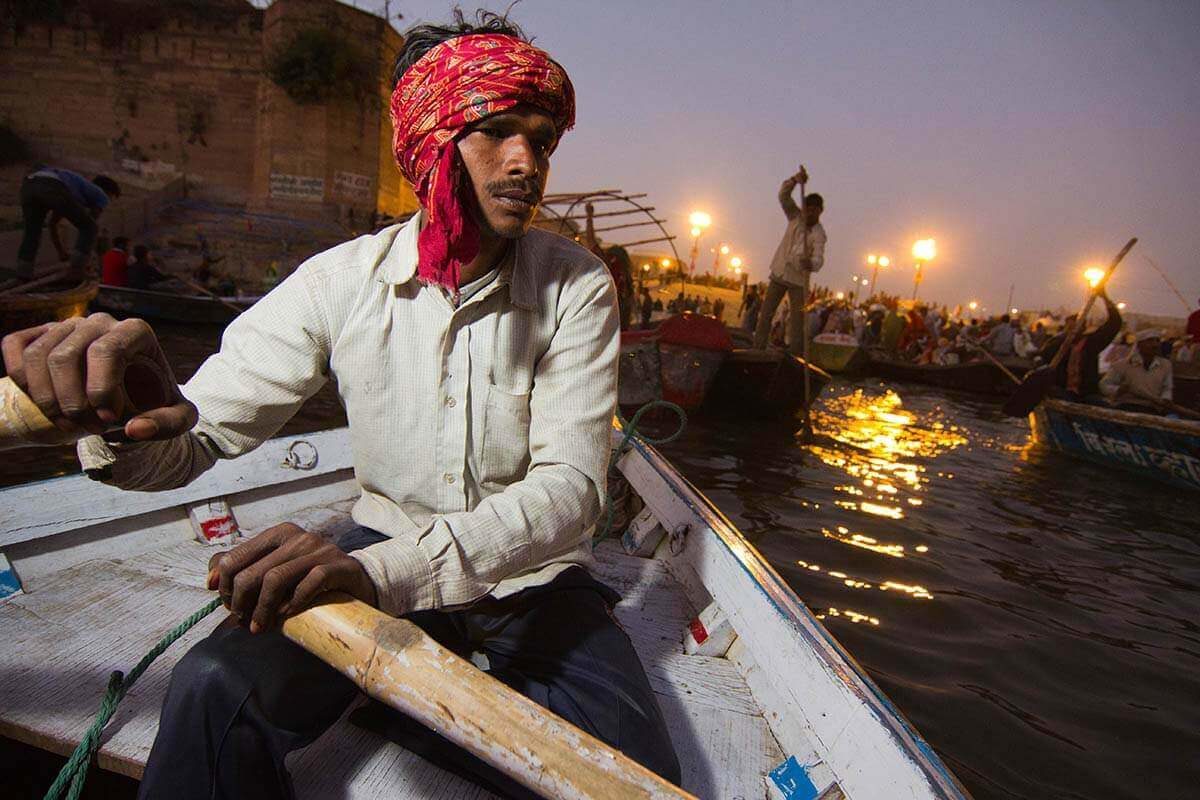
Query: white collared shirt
x=1130, y=375
x=480, y=433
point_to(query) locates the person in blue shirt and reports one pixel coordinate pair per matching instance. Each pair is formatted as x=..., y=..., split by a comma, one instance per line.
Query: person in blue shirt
x=61, y=194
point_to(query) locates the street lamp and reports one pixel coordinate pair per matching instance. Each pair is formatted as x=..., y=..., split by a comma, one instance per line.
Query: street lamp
x=972, y=305
x=1093, y=275
x=699, y=220
x=923, y=251
x=876, y=263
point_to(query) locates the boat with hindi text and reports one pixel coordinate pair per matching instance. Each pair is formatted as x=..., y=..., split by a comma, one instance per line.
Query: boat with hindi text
x=1150, y=445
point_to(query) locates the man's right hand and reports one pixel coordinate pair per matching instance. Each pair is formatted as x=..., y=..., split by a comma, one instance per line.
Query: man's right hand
x=94, y=372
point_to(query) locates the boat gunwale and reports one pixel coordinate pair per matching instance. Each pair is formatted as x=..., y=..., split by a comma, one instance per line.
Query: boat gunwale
x=793, y=610
x=1135, y=419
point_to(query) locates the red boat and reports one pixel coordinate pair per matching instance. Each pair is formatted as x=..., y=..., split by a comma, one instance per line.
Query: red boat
x=677, y=361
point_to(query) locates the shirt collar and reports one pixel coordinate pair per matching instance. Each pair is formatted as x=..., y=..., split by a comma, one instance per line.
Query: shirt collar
x=399, y=264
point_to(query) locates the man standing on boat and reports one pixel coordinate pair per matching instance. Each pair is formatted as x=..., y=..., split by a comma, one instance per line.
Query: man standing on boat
x=800, y=253
x=476, y=359
x=61, y=194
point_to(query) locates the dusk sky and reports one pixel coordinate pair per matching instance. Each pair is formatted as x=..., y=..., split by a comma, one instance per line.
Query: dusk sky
x=1029, y=138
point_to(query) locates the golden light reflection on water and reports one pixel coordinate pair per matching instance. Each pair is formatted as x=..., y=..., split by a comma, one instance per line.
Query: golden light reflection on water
x=882, y=450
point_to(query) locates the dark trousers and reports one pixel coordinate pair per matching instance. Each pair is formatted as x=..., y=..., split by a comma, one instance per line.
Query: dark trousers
x=238, y=703
x=39, y=197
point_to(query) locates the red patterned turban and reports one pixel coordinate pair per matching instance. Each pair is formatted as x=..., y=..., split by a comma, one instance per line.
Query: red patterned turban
x=454, y=85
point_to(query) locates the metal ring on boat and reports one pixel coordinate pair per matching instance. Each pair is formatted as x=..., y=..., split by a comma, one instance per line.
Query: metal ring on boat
x=679, y=538
x=299, y=459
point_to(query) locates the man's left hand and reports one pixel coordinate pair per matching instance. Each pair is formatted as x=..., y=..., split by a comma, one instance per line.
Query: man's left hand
x=280, y=572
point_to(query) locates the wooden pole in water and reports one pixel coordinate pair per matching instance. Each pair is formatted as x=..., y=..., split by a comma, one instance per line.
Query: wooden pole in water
x=397, y=663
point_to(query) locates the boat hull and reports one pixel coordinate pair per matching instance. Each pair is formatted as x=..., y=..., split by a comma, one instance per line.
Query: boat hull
x=840, y=355
x=1165, y=450
x=144, y=303
x=26, y=310
x=976, y=377
x=763, y=384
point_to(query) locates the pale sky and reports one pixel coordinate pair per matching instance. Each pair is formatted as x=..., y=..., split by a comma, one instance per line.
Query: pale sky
x=1029, y=138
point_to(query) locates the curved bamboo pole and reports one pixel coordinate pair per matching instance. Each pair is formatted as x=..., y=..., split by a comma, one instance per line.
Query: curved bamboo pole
x=397, y=663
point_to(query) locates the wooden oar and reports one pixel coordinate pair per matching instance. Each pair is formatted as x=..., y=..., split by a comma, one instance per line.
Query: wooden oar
x=991, y=357
x=236, y=308
x=53, y=275
x=397, y=663
x=1038, y=382
x=807, y=433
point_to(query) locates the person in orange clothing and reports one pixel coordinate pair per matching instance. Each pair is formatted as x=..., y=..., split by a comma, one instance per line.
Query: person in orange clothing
x=114, y=268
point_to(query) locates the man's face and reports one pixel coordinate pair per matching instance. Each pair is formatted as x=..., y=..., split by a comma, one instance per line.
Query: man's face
x=812, y=213
x=507, y=157
x=1149, y=347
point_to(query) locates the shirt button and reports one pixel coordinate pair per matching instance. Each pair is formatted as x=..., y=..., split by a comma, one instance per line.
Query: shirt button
x=450, y=401
x=448, y=478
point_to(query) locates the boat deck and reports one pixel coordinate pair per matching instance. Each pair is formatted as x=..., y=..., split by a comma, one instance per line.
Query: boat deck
x=73, y=627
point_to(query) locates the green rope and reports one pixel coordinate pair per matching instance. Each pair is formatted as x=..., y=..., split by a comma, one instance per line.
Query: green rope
x=630, y=428
x=75, y=770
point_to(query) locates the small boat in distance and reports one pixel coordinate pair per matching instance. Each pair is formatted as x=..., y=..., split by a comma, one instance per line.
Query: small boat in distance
x=977, y=377
x=1155, y=447
x=837, y=353
x=123, y=301
x=764, y=385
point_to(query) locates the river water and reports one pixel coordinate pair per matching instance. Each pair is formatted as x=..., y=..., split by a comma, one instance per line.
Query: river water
x=1036, y=618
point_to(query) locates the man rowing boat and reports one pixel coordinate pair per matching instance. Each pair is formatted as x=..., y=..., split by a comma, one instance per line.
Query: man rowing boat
x=476, y=359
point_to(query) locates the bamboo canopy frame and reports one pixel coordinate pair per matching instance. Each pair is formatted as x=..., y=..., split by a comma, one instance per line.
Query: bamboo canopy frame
x=572, y=200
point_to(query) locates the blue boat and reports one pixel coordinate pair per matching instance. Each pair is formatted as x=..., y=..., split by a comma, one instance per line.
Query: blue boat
x=1156, y=447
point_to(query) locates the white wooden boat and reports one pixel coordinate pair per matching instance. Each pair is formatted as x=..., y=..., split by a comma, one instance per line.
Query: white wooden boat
x=776, y=709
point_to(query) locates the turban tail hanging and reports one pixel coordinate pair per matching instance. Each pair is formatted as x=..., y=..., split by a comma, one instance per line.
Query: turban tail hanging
x=454, y=85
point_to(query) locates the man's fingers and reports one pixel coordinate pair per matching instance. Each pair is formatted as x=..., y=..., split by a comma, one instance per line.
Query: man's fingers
x=241, y=557
x=318, y=581
x=107, y=358
x=278, y=584
x=13, y=348
x=66, y=364
x=39, y=385
x=248, y=582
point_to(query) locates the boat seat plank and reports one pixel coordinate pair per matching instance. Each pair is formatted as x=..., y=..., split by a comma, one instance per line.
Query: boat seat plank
x=63, y=640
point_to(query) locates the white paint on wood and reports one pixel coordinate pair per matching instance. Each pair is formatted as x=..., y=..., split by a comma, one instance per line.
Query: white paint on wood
x=855, y=730
x=709, y=633
x=54, y=506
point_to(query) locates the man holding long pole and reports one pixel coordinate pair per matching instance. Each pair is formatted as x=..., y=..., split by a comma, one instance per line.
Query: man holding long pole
x=800, y=253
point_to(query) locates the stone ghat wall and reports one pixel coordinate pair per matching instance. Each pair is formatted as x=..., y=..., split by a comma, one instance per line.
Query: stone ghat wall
x=146, y=107
x=182, y=91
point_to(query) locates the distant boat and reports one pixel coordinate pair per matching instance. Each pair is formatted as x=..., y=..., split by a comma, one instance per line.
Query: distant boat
x=837, y=352
x=764, y=385
x=169, y=306
x=1156, y=447
x=27, y=309
x=977, y=377
x=677, y=361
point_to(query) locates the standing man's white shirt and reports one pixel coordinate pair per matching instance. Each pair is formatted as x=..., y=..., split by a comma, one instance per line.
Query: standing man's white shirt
x=799, y=241
x=480, y=433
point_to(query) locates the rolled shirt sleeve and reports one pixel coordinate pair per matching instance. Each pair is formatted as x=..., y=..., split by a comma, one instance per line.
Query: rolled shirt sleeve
x=461, y=556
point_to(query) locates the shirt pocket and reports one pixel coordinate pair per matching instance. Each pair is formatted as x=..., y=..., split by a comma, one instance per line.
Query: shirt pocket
x=505, y=446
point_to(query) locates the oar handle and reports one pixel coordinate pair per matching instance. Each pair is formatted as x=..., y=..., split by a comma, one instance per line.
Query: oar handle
x=22, y=423
x=1081, y=320
x=397, y=663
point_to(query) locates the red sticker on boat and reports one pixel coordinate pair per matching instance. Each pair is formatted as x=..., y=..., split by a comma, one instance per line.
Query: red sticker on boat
x=218, y=526
x=699, y=633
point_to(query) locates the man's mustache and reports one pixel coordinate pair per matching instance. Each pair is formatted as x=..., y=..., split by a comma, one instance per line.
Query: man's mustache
x=526, y=188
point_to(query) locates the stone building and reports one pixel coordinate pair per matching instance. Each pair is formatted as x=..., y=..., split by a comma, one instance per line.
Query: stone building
x=279, y=110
